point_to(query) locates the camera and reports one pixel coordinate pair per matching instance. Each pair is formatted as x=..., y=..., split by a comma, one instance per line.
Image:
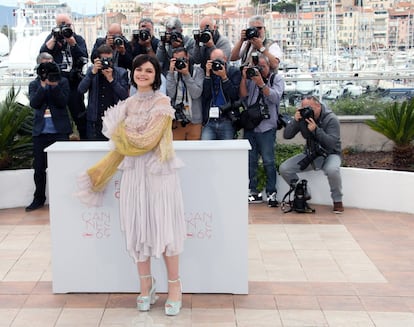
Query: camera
x=283, y=119
x=175, y=36
x=252, y=32
x=217, y=64
x=205, y=35
x=48, y=71
x=180, y=114
x=144, y=34
x=312, y=152
x=232, y=110
x=252, y=71
x=169, y=37
x=306, y=113
x=118, y=40
x=62, y=31
x=264, y=111
x=180, y=63
x=106, y=62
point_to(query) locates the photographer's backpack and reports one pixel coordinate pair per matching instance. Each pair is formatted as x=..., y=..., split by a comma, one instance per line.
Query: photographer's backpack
x=299, y=191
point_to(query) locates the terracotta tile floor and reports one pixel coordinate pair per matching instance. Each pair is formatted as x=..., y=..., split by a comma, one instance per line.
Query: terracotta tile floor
x=322, y=269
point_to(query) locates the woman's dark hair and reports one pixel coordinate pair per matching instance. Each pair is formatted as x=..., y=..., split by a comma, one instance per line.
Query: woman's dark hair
x=142, y=59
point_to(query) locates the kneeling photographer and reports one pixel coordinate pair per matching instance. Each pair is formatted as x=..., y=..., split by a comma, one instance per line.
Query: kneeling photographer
x=220, y=98
x=261, y=92
x=321, y=129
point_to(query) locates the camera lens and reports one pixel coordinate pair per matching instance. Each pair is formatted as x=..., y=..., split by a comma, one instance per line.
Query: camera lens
x=118, y=40
x=67, y=31
x=180, y=63
x=205, y=37
x=251, y=71
x=144, y=34
x=252, y=32
x=217, y=65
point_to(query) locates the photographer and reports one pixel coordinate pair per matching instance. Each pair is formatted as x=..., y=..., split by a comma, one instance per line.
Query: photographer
x=184, y=87
x=173, y=38
x=220, y=93
x=106, y=85
x=208, y=38
x=267, y=88
x=253, y=39
x=122, y=51
x=321, y=129
x=49, y=95
x=143, y=40
x=68, y=50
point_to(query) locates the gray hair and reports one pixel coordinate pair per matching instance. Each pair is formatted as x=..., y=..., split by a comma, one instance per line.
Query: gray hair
x=173, y=23
x=256, y=18
x=42, y=56
x=146, y=20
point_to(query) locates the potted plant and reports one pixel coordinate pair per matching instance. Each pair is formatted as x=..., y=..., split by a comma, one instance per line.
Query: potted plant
x=396, y=122
x=16, y=121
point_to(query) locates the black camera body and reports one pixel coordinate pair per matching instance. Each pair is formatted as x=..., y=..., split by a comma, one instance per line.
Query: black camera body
x=61, y=32
x=169, y=37
x=252, y=32
x=106, y=63
x=180, y=114
x=232, y=110
x=180, y=63
x=144, y=34
x=307, y=113
x=252, y=71
x=118, y=40
x=217, y=65
x=313, y=151
x=48, y=71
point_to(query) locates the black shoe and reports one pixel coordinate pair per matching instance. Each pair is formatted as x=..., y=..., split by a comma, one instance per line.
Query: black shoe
x=272, y=201
x=35, y=205
x=255, y=198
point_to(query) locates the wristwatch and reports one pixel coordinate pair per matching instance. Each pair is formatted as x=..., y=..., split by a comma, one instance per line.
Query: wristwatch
x=262, y=49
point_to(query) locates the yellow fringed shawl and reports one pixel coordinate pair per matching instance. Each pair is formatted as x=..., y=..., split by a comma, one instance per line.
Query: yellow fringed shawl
x=132, y=143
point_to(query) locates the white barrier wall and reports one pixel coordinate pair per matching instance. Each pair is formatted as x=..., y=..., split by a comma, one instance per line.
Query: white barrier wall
x=88, y=248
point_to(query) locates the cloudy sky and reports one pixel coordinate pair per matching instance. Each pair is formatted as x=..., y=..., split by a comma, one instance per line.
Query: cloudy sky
x=93, y=6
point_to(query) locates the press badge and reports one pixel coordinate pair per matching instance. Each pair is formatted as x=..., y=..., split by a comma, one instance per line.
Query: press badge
x=214, y=112
x=47, y=113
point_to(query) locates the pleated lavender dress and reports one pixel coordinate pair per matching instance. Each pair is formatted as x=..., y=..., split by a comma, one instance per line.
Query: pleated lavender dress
x=151, y=203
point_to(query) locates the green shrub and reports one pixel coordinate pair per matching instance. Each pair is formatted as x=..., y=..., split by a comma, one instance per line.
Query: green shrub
x=363, y=105
x=16, y=121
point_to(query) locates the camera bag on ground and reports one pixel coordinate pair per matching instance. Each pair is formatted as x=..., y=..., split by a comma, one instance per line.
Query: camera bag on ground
x=299, y=191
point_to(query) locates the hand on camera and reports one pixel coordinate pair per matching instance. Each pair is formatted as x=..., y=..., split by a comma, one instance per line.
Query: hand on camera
x=97, y=66
x=107, y=72
x=311, y=124
x=121, y=49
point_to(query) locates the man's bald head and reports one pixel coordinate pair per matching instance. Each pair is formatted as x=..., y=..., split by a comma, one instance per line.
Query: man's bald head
x=63, y=19
x=115, y=29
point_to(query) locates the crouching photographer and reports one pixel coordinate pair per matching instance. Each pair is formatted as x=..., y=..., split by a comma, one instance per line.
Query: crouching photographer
x=220, y=98
x=321, y=129
x=261, y=92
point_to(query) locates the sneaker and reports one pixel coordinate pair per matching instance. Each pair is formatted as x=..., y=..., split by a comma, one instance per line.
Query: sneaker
x=272, y=201
x=338, y=207
x=255, y=198
x=34, y=205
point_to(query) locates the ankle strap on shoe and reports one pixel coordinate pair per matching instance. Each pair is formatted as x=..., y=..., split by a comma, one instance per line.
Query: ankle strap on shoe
x=145, y=276
x=174, y=281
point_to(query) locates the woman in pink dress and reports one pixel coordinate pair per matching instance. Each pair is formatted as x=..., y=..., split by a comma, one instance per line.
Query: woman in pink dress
x=151, y=205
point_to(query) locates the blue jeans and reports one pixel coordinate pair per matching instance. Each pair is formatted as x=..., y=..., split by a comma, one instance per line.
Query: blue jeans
x=262, y=144
x=330, y=166
x=218, y=129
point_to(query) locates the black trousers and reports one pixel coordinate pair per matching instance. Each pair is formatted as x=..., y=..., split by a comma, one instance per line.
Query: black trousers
x=77, y=109
x=40, y=143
